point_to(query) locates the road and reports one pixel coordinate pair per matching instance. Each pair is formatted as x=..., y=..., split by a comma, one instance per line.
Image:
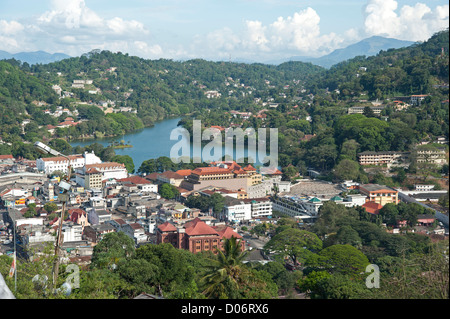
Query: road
x=255, y=243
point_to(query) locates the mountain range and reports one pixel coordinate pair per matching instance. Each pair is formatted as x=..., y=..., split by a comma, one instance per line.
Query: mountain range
x=368, y=47
x=34, y=57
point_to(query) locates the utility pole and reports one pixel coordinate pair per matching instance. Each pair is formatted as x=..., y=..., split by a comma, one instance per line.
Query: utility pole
x=63, y=197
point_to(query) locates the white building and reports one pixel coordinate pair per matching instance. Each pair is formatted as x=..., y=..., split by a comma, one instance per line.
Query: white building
x=59, y=163
x=136, y=232
x=98, y=216
x=356, y=199
x=291, y=206
x=312, y=206
x=72, y=233
x=423, y=188
x=109, y=171
x=261, y=207
x=236, y=210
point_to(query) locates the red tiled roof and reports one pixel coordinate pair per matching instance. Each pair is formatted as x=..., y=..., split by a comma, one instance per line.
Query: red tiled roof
x=135, y=226
x=61, y=158
x=372, y=207
x=75, y=213
x=152, y=176
x=210, y=170
x=135, y=180
x=249, y=168
x=92, y=170
x=104, y=165
x=184, y=172
x=167, y=227
x=6, y=157
x=271, y=171
x=120, y=221
x=170, y=174
x=198, y=227
x=220, y=128
x=227, y=232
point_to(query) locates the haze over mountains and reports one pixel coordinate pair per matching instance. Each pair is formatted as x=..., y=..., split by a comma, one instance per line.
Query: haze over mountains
x=368, y=47
x=34, y=57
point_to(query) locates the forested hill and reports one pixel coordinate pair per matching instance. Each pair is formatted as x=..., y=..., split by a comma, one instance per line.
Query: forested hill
x=410, y=70
x=125, y=93
x=161, y=88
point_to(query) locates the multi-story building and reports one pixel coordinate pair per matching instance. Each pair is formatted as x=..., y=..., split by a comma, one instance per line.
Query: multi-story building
x=430, y=154
x=386, y=157
x=141, y=184
x=293, y=207
x=230, y=175
x=312, y=206
x=379, y=194
x=236, y=210
x=260, y=207
x=95, y=233
x=136, y=232
x=72, y=232
x=93, y=178
x=98, y=216
x=91, y=174
x=417, y=99
x=360, y=109
x=49, y=165
x=171, y=178
x=195, y=235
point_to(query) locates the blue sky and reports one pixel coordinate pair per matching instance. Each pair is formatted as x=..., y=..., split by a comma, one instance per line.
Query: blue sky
x=257, y=30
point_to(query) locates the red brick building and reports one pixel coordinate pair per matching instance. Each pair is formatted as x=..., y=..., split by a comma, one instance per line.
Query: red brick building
x=195, y=235
x=372, y=207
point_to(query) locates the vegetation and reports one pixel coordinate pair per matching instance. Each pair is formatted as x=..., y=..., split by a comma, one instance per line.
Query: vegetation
x=309, y=106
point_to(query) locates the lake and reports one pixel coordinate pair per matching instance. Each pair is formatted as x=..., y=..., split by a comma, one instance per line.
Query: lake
x=150, y=142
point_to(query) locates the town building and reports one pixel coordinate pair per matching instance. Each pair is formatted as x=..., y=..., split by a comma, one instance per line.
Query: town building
x=293, y=207
x=138, y=183
x=379, y=194
x=136, y=232
x=372, y=207
x=195, y=235
x=229, y=175
x=260, y=207
x=95, y=233
x=428, y=154
x=92, y=174
x=389, y=158
x=236, y=210
x=49, y=165
x=171, y=178
x=360, y=109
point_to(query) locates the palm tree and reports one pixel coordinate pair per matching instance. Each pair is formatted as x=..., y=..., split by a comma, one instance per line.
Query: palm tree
x=225, y=272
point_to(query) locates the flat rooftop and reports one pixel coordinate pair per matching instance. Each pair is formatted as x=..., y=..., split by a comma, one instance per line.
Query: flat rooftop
x=318, y=189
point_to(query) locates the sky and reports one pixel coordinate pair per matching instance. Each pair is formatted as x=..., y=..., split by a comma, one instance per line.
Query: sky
x=253, y=30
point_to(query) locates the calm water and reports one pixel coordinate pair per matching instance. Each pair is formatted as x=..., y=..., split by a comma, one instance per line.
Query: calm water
x=151, y=142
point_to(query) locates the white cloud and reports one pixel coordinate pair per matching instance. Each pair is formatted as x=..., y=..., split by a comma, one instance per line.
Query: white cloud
x=298, y=34
x=255, y=36
x=148, y=51
x=302, y=32
x=10, y=28
x=414, y=23
x=72, y=27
